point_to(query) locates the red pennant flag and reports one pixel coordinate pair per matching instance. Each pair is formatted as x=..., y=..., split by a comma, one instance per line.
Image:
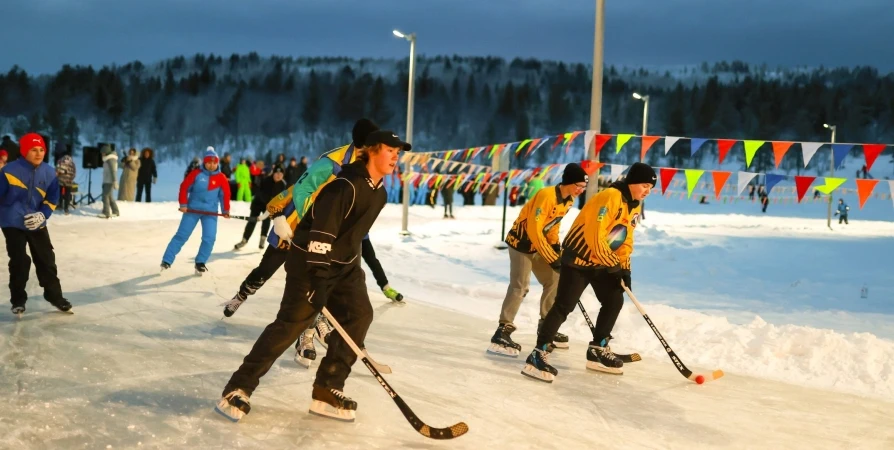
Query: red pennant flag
x=864, y=188
x=558, y=141
x=647, y=144
x=779, y=149
x=720, y=178
x=600, y=141
x=802, y=183
x=667, y=175
x=591, y=167
x=724, y=145
x=870, y=152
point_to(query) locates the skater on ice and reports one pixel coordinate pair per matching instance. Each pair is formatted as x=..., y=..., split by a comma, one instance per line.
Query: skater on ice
x=204, y=190
x=534, y=247
x=322, y=270
x=29, y=193
x=597, y=252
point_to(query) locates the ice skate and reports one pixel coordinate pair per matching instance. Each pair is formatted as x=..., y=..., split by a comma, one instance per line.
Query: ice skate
x=305, y=353
x=234, y=406
x=231, y=306
x=502, y=344
x=322, y=330
x=537, y=365
x=201, y=269
x=19, y=311
x=240, y=244
x=332, y=403
x=600, y=358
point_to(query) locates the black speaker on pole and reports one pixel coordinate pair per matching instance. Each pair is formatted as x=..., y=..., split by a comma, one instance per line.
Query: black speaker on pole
x=92, y=158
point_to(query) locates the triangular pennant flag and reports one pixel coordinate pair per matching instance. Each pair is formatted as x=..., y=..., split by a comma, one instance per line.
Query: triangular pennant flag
x=591, y=167
x=535, y=143
x=723, y=146
x=588, y=141
x=558, y=141
x=839, y=152
x=647, y=144
x=750, y=150
x=870, y=152
x=601, y=140
x=864, y=188
x=891, y=189
x=744, y=179
x=617, y=170
x=621, y=140
x=697, y=144
x=802, y=183
x=771, y=180
x=720, y=178
x=809, y=149
x=667, y=174
x=779, y=150
x=831, y=185
x=521, y=146
x=692, y=176
x=669, y=142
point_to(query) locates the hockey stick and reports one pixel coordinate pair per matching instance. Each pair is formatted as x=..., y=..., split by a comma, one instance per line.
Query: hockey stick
x=673, y=356
x=627, y=358
x=435, y=433
x=208, y=213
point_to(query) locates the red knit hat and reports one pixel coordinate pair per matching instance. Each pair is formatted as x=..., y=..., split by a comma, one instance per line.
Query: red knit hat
x=3, y=153
x=29, y=141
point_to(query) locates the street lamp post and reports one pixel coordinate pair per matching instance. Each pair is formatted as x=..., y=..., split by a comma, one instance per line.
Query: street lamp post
x=596, y=88
x=834, y=128
x=405, y=217
x=645, y=100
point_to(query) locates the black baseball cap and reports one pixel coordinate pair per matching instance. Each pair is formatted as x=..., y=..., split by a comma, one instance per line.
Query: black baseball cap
x=388, y=138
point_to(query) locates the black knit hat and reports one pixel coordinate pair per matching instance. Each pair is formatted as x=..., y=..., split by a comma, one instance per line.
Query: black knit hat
x=362, y=129
x=641, y=173
x=574, y=174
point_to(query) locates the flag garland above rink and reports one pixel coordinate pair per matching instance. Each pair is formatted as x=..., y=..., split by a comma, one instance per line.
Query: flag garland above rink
x=483, y=179
x=597, y=142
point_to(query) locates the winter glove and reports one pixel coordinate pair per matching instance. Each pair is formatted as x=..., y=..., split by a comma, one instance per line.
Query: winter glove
x=625, y=277
x=318, y=294
x=115, y=186
x=34, y=221
x=154, y=179
x=281, y=228
x=263, y=216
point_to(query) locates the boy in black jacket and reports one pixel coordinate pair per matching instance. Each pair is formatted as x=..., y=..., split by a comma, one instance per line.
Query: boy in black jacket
x=269, y=187
x=323, y=269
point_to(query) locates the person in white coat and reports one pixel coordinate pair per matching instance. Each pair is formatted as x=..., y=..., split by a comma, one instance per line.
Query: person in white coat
x=109, y=182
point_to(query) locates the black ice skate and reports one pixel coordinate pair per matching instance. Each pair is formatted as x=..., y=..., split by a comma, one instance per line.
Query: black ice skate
x=305, y=353
x=240, y=244
x=537, y=365
x=18, y=310
x=332, y=403
x=261, y=244
x=502, y=344
x=601, y=358
x=165, y=266
x=234, y=406
x=63, y=305
x=559, y=340
x=201, y=269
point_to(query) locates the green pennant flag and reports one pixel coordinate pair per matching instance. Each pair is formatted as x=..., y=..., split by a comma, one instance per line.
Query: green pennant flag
x=750, y=150
x=692, y=176
x=622, y=139
x=831, y=185
x=520, y=146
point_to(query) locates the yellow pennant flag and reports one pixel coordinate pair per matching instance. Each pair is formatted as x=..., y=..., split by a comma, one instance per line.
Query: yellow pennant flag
x=692, y=176
x=831, y=185
x=522, y=145
x=750, y=150
x=622, y=139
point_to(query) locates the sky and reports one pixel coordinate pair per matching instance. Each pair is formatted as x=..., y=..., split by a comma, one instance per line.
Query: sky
x=42, y=35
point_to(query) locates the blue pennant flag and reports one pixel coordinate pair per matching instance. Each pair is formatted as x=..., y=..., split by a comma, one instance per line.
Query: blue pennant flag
x=697, y=144
x=772, y=180
x=840, y=151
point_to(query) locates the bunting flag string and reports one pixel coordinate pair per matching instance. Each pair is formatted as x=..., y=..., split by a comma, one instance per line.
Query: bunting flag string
x=864, y=188
x=692, y=176
x=779, y=151
x=723, y=147
x=803, y=184
x=666, y=174
x=744, y=179
x=751, y=148
x=720, y=178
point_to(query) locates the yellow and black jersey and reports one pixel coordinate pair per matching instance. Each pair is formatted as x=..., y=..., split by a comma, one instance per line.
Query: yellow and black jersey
x=537, y=225
x=602, y=234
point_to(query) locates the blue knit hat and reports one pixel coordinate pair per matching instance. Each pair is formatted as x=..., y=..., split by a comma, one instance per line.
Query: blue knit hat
x=210, y=155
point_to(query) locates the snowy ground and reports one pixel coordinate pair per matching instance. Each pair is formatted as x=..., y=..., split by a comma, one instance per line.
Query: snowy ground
x=773, y=301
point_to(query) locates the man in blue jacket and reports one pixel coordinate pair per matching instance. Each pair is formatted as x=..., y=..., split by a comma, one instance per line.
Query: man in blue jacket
x=201, y=192
x=29, y=193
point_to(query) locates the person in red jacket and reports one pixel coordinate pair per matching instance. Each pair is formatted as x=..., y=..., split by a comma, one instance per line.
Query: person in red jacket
x=200, y=194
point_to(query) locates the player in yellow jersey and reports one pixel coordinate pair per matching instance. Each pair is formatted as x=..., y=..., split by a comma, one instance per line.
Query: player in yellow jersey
x=534, y=247
x=597, y=253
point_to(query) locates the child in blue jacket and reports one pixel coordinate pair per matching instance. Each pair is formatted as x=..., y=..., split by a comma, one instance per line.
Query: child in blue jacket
x=29, y=193
x=201, y=192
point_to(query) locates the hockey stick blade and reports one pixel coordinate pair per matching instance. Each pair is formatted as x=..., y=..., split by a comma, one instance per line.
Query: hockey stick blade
x=382, y=368
x=633, y=357
x=670, y=352
x=451, y=432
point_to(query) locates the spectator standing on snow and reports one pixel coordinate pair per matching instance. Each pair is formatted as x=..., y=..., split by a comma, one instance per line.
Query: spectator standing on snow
x=842, y=211
x=147, y=175
x=109, y=182
x=129, y=174
x=66, y=170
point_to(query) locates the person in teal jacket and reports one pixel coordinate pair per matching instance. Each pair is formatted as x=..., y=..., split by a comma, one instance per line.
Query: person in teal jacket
x=243, y=180
x=842, y=211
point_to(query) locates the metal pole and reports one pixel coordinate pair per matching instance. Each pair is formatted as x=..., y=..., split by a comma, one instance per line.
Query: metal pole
x=596, y=89
x=406, y=200
x=831, y=174
x=641, y=155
